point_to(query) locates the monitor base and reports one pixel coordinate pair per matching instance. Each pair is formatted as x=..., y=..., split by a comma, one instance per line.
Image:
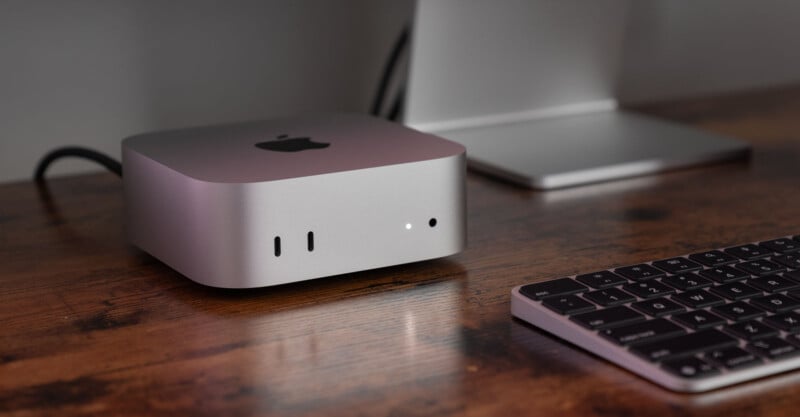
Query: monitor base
x=580, y=149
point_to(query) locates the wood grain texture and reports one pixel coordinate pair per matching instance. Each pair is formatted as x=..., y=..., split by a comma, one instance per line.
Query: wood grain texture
x=93, y=326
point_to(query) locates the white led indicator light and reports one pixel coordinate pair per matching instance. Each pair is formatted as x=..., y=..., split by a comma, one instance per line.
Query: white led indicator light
x=408, y=226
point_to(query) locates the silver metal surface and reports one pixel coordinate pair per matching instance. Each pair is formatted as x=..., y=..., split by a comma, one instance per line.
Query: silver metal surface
x=508, y=58
x=210, y=204
x=528, y=87
x=571, y=150
x=227, y=153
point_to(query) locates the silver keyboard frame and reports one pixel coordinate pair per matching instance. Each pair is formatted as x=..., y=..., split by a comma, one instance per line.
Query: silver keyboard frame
x=540, y=316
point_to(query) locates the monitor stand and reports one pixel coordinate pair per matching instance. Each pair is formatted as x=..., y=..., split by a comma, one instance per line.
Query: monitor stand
x=564, y=151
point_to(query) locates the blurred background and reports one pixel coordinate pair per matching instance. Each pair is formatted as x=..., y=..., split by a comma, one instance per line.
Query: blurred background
x=92, y=72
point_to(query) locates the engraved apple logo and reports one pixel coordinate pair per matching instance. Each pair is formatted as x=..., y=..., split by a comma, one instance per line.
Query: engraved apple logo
x=283, y=143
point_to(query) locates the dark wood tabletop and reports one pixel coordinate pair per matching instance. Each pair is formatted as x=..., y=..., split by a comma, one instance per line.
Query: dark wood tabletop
x=89, y=325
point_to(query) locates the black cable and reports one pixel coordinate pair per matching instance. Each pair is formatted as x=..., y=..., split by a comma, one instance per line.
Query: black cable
x=116, y=167
x=389, y=68
x=76, y=151
x=397, y=105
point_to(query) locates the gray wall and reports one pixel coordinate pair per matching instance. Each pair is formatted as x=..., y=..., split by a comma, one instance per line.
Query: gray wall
x=91, y=72
x=678, y=48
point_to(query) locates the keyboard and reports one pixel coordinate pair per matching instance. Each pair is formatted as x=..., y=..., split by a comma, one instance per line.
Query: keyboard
x=690, y=323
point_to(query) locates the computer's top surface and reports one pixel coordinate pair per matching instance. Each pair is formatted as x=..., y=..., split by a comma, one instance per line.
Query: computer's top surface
x=288, y=148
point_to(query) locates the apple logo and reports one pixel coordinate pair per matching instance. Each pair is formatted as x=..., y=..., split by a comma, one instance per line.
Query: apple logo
x=284, y=143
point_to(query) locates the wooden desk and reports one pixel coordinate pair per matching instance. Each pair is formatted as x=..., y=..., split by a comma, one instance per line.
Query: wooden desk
x=92, y=326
